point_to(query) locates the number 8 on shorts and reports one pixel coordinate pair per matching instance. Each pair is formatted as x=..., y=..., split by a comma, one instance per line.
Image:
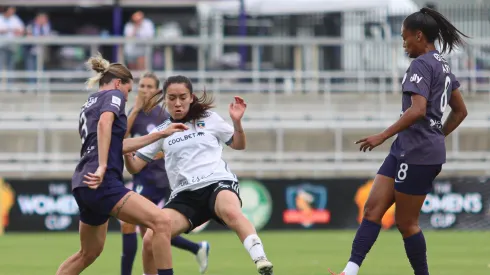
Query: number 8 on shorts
x=402, y=172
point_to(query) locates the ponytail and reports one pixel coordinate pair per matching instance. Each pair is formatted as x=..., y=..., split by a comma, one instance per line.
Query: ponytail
x=449, y=36
x=435, y=27
x=199, y=106
x=105, y=71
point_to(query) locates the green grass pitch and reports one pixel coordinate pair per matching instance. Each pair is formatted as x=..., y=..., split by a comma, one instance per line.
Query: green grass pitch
x=292, y=252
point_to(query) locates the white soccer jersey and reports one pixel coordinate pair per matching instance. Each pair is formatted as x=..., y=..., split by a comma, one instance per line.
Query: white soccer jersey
x=193, y=157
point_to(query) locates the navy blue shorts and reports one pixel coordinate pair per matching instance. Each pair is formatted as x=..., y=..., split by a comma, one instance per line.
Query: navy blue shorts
x=95, y=205
x=411, y=179
x=151, y=192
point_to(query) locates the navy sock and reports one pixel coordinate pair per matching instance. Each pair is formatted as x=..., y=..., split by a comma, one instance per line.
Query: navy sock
x=416, y=250
x=185, y=244
x=365, y=238
x=166, y=272
x=130, y=245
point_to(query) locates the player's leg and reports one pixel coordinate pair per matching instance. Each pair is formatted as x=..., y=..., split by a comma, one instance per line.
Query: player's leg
x=200, y=250
x=130, y=238
x=130, y=246
x=92, y=240
x=179, y=224
x=381, y=198
x=226, y=205
x=136, y=209
x=187, y=245
x=410, y=196
x=406, y=216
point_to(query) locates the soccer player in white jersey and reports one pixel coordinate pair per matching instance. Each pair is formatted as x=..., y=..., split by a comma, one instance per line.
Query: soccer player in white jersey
x=203, y=187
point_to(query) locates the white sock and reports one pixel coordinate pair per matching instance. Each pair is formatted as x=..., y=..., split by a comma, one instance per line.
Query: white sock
x=351, y=269
x=254, y=246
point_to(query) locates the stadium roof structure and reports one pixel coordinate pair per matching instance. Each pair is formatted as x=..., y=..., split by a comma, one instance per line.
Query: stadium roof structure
x=281, y=7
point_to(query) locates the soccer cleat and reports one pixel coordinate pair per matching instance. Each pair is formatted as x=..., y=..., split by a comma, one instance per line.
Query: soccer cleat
x=333, y=273
x=264, y=267
x=202, y=257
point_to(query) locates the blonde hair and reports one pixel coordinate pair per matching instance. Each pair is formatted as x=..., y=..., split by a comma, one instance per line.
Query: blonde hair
x=106, y=71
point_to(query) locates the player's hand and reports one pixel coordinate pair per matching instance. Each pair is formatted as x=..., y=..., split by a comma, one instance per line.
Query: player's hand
x=141, y=99
x=94, y=180
x=237, y=108
x=371, y=142
x=173, y=128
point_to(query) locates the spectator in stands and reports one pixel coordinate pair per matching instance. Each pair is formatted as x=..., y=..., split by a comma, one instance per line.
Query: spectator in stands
x=39, y=27
x=141, y=28
x=10, y=26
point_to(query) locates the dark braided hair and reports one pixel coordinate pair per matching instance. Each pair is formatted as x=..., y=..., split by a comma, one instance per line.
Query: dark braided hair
x=435, y=27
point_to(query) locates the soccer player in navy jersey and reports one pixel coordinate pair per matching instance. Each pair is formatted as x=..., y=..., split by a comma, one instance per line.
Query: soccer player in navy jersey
x=417, y=154
x=203, y=185
x=97, y=183
x=152, y=181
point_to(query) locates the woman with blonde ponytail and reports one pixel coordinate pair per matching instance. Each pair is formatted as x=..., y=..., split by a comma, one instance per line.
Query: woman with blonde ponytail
x=97, y=183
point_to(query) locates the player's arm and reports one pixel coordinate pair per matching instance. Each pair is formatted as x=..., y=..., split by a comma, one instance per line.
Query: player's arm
x=131, y=118
x=139, y=104
x=233, y=136
x=418, y=83
x=133, y=163
x=104, y=133
x=150, y=145
x=458, y=113
x=133, y=144
x=238, y=141
x=136, y=162
x=409, y=117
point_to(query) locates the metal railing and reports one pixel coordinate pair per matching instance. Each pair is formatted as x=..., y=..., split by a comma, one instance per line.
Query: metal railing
x=259, y=163
x=275, y=159
x=273, y=117
x=301, y=77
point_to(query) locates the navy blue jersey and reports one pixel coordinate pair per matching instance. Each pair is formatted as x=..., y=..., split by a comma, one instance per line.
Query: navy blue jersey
x=154, y=172
x=98, y=103
x=423, y=143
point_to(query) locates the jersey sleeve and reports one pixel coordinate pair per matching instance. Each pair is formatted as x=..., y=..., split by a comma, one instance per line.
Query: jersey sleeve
x=148, y=152
x=454, y=82
x=418, y=79
x=221, y=129
x=113, y=102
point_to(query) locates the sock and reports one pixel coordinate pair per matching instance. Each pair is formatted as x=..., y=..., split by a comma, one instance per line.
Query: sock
x=365, y=238
x=166, y=272
x=351, y=268
x=185, y=244
x=416, y=250
x=130, y=245
x=254, y=246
